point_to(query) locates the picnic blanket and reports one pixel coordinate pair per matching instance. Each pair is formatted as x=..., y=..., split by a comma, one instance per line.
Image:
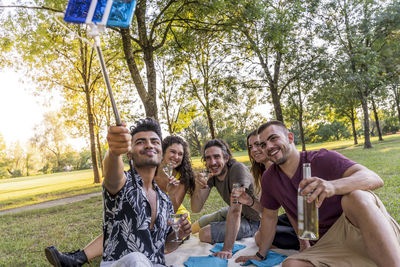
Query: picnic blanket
x=194, y=248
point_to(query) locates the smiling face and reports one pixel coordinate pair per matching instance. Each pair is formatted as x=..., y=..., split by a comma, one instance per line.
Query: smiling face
x=255, y=150
x=146, y=149
x=174, y=154
x=276, y=143
x=215, y=161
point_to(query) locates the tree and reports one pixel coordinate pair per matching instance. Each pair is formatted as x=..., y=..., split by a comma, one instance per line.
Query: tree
x=151, y=29
x=3, y=158
x=196, y=134
x=336, y=94
x=177, y=108
x=271, y=32
x=205, y=67
x=16, y=160
x=295, y=111
x=357, y=31
x=50, y=137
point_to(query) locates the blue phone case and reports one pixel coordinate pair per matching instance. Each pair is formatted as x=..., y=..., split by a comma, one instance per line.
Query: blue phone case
x=121, y=13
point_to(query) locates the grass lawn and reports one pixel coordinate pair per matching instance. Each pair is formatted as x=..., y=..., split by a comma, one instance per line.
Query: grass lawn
x=17, y=192
x=72, y=226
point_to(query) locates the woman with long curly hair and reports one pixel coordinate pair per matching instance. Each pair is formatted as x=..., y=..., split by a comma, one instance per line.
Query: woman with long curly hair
x=175, y=152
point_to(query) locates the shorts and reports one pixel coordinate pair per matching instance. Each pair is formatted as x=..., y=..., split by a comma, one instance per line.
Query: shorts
x=343, y=245
x=217, y=222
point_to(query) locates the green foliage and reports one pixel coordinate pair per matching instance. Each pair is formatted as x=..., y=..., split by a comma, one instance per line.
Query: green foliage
x=328, y=132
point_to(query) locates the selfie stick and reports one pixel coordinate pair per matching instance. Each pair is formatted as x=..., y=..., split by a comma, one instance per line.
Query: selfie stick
x=95, y=34
x=99, y=14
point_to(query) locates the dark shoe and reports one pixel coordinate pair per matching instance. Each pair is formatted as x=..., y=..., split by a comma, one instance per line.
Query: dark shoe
x=70, y=259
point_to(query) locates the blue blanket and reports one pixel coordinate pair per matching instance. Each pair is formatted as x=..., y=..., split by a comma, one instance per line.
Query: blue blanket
x=273, y=259
x=206, y=261
x=236, y=247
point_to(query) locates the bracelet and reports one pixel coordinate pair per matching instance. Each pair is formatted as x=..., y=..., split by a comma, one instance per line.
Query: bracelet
x=260, y=256
x=252, y=202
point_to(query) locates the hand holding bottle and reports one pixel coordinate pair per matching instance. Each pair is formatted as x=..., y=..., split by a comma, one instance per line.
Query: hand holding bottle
x=319, y=189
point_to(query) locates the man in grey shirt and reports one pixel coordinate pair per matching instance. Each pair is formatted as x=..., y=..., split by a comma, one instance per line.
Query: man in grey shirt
x=243, y=220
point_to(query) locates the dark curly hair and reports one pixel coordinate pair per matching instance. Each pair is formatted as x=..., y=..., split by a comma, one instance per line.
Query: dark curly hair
x=224, y=147
x=144, y=125
x=185, y=169
x=257, y=169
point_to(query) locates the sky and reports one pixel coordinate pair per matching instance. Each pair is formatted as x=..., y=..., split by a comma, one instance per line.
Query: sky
x=19, y=109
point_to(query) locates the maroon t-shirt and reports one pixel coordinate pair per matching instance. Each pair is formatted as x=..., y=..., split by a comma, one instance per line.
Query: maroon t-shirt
x=279, y=190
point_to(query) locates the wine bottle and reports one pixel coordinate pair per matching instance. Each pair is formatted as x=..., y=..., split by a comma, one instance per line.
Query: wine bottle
x=307, y=213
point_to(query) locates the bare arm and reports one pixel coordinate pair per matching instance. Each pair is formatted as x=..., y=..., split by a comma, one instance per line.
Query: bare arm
x=119, y=142
x=357, y=177
x=267, y=230
x=232, y=228
x=200, y=194
x=176, y=193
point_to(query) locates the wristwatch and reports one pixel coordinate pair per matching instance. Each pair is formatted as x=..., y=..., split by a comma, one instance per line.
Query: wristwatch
x=260, y=256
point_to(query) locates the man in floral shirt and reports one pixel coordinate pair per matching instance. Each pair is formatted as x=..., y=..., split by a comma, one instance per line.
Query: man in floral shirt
x=135, y=209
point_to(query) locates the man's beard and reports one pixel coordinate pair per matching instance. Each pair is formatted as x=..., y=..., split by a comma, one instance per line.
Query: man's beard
x=223, y=171
x=146, y=162
x=284, y=150
x=281, y=160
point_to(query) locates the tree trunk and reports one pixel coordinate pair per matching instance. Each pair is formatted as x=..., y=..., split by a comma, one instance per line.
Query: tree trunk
x=378, y=127
x=27, y=165
x=353, y=126
x=397, y=101
x=148, y=98
x=100, y=153
x=276, y=102
x=210, y=123
x=96, y=175
x=303, y=143
x=273, y=82
x=367, y=140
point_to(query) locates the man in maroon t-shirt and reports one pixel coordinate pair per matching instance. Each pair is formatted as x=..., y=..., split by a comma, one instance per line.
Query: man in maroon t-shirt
x=355, y=229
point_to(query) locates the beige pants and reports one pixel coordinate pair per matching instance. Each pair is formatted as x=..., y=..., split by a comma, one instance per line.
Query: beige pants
x=343, y=245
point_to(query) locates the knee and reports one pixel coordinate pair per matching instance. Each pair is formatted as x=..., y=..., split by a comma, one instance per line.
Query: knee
x=357, y=200
x=195, y=227
x=205, y=234
x=257, y=238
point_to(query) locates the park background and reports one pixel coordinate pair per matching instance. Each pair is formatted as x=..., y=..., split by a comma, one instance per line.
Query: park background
x=204, y=69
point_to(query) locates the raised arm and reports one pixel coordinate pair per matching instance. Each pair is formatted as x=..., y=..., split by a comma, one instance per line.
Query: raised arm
x=269, y=219
x=200, y=194
x=356, y=177
x=119, y=142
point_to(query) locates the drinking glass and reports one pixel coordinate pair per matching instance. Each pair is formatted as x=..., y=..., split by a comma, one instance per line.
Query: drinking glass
x=204, y=175
x=168, y=169
x=174, y=220
x=235, y=187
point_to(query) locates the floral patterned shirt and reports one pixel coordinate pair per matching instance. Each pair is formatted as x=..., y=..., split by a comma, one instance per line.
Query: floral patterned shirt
x=127, y=217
